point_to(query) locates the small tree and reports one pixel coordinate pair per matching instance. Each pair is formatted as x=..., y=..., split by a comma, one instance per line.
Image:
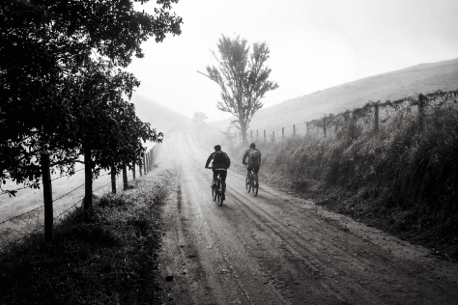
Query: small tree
x=243, y=78
x=199, y=118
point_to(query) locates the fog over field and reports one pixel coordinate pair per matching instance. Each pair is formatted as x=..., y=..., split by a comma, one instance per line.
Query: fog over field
x=411, y=81
x=314, y=46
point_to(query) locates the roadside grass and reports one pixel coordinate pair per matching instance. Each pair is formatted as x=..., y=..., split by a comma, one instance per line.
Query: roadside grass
x=102, y=257
x=25, y=210
x=402, y=179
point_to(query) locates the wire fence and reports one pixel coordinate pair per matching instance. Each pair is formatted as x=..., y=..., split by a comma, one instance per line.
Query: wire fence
x=14, y=191
x=36, y=221
x=372, y=117
x=14, y=229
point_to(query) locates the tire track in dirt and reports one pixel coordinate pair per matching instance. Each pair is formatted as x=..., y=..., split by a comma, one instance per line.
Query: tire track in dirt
x=211, y=240
x=322, y=272
x=366, y=270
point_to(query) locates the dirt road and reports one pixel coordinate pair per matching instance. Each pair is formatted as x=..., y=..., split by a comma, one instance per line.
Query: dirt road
x=278, y=249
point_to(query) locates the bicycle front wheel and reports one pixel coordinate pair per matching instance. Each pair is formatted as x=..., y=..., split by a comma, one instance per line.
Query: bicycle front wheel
x=214, y=193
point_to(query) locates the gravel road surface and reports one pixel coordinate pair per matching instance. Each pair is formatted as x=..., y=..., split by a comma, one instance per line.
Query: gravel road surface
x=279, y=249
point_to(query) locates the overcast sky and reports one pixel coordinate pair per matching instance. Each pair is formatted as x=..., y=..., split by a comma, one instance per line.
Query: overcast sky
x=314, y=44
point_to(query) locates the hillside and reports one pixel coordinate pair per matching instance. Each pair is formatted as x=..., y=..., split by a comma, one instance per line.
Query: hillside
x=423, y=78
x=161, y=118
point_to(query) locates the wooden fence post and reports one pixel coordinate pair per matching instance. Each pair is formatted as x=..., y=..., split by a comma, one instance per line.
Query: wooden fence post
x=153, y=156
x=149, y=160
x=307, y=128
x=294, y=130
x=145, y=167
x=150, y=157
x=282, y=133
x=421, y=109
x=273, y=136
x=376, y=117
x=324, y=126
x=140, y=168
x=47, y=195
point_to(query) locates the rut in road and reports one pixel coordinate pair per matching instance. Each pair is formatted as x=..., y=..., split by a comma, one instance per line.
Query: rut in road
x=277, y=249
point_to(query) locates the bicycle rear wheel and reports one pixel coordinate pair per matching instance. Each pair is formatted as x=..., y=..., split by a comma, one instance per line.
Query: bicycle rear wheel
x=220, y=198
x=248, y=185
x=255, y=185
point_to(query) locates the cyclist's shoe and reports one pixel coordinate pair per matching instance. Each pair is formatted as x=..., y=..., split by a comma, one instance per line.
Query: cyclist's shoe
x=223, y=196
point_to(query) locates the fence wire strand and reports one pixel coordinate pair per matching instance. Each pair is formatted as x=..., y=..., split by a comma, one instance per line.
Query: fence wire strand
x=41, y=226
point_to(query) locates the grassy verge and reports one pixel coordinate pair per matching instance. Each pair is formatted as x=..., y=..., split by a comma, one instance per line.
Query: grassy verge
x=402, y=179
x=105, y=257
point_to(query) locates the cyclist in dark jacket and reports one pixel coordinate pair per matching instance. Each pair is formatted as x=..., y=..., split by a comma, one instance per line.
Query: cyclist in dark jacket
x=221, y=162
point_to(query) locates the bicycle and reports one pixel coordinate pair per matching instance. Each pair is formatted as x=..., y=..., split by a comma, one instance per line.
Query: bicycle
x=252, y=183
x=217, y=192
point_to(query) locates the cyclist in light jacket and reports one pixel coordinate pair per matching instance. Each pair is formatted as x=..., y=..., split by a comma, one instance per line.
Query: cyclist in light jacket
x=254, y=160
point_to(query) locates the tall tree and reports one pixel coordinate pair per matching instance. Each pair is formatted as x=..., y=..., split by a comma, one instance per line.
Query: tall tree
x=243, y=77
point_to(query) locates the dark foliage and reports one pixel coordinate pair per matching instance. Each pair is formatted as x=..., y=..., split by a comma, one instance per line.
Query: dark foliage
x=46, y=48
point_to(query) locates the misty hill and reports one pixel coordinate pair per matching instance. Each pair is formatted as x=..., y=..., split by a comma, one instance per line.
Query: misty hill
x=423, y=78
x=161, y=118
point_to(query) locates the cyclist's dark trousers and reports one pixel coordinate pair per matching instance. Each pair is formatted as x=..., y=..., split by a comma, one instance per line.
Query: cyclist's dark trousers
x=222, y=173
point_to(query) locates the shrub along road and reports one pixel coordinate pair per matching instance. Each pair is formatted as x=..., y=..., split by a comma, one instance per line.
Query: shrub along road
x=278, y=249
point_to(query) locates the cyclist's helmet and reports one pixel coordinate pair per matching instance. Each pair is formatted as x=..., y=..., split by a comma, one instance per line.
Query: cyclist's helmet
x=252, y=145
x=217, y=147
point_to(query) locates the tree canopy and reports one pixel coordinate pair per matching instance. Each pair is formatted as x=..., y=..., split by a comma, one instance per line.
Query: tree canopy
x=46, y=92
x=243, y=76
x=199, y=118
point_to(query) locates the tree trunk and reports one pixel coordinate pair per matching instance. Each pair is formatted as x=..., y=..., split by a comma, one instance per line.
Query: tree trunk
x=113, y=178
x=87, y=179
x=133, y=170
x=243, y=130
x=47, y=196
x=124, y=175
